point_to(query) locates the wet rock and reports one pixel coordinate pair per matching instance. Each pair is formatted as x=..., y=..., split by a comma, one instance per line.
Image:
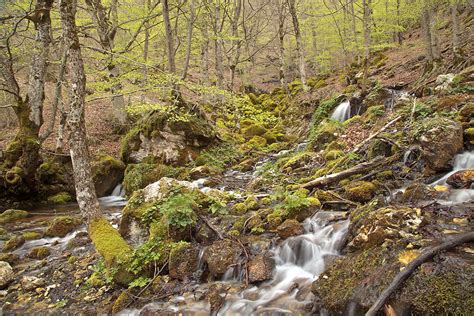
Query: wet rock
x=360, y=191
x=290, y=228
x=61, y=226
x=6, y=274
x=12, y=215
x=175, y=142
x=107, y=173
x=418, y=192
x=200, y=172
x=221, y=255
x=60, y=198
x=216, y=296
x=462, y=179
x=440, y=139
x=122, y=301
x=14, y=242
x=39, y=253
x=261, y=268
x=138, y=176
x=183, y=261
x=374, y=227
x=30, y=283
x=9, y=257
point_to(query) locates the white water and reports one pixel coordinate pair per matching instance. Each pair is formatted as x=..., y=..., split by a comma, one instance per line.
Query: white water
x=342, y=112
x=117, y=198
x=462, y=161
x=299, y=261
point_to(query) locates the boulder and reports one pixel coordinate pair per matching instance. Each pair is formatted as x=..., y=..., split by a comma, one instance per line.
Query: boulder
x=165, y=138
x=440, y=139
x=290, y=228
x=29, y=283
x=462, y=179
x=107, y=173
x=39, y=253
x=14, y=242
x=360, y=191
x=261, y=268
x=183, y=261
x=12, y=215
x=6, y=274
x=221, y=255
x=418, y=192
x=61, y=226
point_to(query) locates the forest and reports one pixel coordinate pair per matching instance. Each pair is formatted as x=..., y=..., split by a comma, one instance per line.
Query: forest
x=237, y=157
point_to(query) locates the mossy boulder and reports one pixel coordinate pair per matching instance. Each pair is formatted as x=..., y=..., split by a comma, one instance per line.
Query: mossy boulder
x=62, y=225
x=107, y=173
x=11, y=215
x=333, y=155
x=255, y=129
x=112, y=247
x=60, y=198
x=325, y=133
x=466, y=113
x=39, y=253
x=13, y=243
x=183, y=261
x=32, y=235
x=440, y=139
x=171, y=138
x=360, y=191
x=221, y=255
x=138, y=176
x=469, y=135
x=379, y=148
x=418, y=192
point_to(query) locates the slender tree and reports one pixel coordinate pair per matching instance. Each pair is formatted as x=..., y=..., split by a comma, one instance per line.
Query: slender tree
x=299, y=42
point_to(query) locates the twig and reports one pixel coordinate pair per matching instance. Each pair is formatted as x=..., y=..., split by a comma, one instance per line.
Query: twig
x=219, y=235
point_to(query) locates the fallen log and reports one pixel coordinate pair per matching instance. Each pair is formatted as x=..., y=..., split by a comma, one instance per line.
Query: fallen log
x=360, y=168
x=410, y=268
x=384, y=128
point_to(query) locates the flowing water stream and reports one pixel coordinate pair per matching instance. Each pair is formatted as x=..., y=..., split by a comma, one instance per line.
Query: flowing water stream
x=342, y=112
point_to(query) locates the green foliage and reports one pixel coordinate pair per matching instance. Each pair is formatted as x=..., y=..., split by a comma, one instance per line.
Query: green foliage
x=148, y=253
x=218, y=157
x=178, y=209
x=139, y=282
x=102, y=272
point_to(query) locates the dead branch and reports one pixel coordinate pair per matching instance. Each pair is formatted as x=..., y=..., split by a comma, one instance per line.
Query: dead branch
x=218, y=233
x=410, y=268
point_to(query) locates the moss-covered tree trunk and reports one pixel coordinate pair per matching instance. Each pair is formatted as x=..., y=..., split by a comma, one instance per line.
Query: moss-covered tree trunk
x=22, y=156
x=106, y=239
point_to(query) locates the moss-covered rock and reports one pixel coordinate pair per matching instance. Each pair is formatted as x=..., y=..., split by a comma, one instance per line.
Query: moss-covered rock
x=112, y=247
x=290, y=228
x=11, y=215
x=107, y=173
x=221, y=255
x=469, y=135
x=333, y=155
x=13, y=243
x=379, y=148
x=325, y=133
x=168, y=137
x=254, y=130
x=138, y=176
x=61, y=226
x=39, y=253
x=360, y=191
x=183, y=261
x=60, y=198
x=31, y=235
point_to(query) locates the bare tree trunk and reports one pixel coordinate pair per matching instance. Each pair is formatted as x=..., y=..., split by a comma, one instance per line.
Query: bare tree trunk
x=281, y=43
x=399, y=33
x=146, y=47
x=57, y=93
x=235, y=42
x=189, y=39
x=354, y=31
x=425, y=25
x=456, y=30
x=205, y=53
x=218, y=45
x=169, y=36
x=299, y=42
x=434, y=35
x=367, y=34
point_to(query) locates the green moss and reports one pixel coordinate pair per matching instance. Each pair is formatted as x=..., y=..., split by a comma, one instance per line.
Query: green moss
x=72, y=259
x=384, y=175
x=254, y=130
x=333, y=154
x=9, y=216
x=138, y=176
x=257, y=142
x=60, y=198
x=13, y=243
x=325, y=133
x=61, y=226
x=218, y=157
x=239, y=224
x=32, y=235
x=322, y=112
x=360, y=191
x=112, y=247
x=39, y=253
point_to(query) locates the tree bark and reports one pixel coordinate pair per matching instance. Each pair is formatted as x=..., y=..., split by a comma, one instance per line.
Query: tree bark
x=235, y=42
x=189, y=39
x=205, y=52
x=367, y=34
x=218, y=45
x=86, y=196
x=281, y=43
x=299, y=42
x=425, y=25
x=169, y=36
x=456, y=30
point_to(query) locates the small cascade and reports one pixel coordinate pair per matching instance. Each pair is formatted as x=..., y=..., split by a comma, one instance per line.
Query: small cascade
x=299, y=261
x=117, y=198
x=342, y=112
x=462, y=161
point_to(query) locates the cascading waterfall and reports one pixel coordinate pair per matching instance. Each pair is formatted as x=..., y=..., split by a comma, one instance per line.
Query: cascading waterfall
x=342, y=112
x=462, y=161
x=299, y=261
x=117, y=198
